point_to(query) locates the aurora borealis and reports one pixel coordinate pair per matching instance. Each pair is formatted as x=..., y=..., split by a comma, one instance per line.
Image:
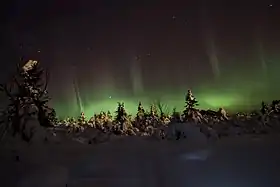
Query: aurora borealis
x=226, y=52
x=239, y=94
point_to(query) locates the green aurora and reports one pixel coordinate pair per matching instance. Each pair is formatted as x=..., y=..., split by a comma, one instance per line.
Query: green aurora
x=238, y=91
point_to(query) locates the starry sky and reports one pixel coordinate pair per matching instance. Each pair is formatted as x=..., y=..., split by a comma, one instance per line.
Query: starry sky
x=136, y=48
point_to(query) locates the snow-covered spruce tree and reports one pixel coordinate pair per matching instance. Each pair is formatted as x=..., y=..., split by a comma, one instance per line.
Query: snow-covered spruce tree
x=264, y=108
x=191, y=113
x=109, y=115
x=140, y=112
x=152, y=117
x=153, y=111
x=275, y=106
x=36, y=80
x=121, y=116
x=264, y=113
x=28, y=98
x=108, y=119
x=82, y=119
x=140, y=108
x=141, y=117
x=190, y=101
x=161, y=107
x=164, y=116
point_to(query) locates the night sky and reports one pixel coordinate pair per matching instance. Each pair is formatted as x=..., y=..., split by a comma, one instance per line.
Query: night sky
x=226, y=51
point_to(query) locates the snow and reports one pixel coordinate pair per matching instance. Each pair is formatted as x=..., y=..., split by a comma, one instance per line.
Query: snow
x=190, y=130
x=136, y=160
x=44, y=176
x=143, y=161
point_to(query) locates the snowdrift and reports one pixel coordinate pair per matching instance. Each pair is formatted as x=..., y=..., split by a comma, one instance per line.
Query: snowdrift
x=143, y=161
x=126, y=161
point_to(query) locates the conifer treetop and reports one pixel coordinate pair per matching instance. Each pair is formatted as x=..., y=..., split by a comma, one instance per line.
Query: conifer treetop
x=30, y=64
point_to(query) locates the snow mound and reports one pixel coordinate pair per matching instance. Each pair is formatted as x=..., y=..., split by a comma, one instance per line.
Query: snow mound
x=139, y=161
x=93, y=136
x=124, y=161
x=189, y=131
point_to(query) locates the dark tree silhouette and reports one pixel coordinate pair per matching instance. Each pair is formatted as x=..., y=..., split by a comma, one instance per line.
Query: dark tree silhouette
x=121, y=115
x=264, y=108
x=140, y=108
x=140, y=112
x=190, y=112
x=28, y=97
x=275, y=105
x=190, y=101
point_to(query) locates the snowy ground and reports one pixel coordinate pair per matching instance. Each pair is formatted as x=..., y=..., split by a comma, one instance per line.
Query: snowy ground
x=136, y=162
